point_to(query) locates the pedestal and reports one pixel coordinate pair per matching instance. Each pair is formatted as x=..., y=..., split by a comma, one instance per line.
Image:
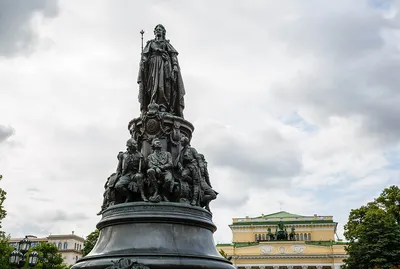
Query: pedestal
x=161, y=235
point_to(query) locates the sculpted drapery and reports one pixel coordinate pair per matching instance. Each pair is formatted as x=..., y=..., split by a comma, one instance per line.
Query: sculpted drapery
x=160, y=79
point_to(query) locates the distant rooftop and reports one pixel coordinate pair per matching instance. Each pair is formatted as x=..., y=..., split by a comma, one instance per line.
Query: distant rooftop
x=282, y=216
x=34, y=238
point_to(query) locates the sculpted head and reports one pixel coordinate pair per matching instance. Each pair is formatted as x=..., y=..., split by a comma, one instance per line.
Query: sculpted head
x=131, y=145
x=131, y=126
x=184, y=141
x=156, y=144
x=159, y=31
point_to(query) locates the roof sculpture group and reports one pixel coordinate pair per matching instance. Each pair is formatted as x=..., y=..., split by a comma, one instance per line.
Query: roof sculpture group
x=159, y=163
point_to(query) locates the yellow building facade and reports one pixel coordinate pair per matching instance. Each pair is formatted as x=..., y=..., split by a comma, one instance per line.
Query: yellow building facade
x=311, y=246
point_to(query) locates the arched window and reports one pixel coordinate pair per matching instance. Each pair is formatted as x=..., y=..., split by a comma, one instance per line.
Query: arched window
x=259, y=237
x=305, y=237
x=65, y=245
x=309, y=237
x=255, y=237
x=263, y=237
x=59, y=245
x=301, y=237
x=297, y=237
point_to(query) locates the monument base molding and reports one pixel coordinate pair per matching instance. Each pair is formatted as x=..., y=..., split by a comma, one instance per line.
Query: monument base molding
x=154, y=235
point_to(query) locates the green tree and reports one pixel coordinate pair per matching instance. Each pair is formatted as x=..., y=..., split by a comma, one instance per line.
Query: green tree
x=5, y=251
x=5, y=248
x=373, y=232
x=90, y=241
x=49, y=258
x=3, y=212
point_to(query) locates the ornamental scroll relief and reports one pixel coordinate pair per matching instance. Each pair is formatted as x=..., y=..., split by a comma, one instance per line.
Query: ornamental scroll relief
x=269, y=249
x=298, y=248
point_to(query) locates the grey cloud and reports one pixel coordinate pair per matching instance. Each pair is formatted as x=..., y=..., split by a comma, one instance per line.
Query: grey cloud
x=355, y=72
x=226, y=63
x=61, y=215
x=32, y=190
x=350, y=35
x=231, y=201
x=17, y=35
x=262, y=158
x=5, y=132
x=23, y=228
x=41, y=199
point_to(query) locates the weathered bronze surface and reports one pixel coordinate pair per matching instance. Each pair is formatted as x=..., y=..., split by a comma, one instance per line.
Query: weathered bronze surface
x=155, y=211
x=159, y=78
x=163, y=166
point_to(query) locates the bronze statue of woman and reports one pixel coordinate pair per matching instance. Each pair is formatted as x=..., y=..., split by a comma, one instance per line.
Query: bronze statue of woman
x=160, y=79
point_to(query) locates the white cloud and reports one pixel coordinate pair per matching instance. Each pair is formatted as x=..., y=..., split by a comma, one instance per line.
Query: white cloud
x=293, y=102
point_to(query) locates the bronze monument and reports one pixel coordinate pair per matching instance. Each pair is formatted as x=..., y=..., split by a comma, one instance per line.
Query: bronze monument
x=156, y=205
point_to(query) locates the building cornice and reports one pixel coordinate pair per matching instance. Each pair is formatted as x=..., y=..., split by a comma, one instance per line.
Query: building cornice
x=259, y=225
x=65, y=237
x=288, y=256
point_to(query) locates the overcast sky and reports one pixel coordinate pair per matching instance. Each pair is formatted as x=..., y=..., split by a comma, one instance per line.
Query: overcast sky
x=296, y=104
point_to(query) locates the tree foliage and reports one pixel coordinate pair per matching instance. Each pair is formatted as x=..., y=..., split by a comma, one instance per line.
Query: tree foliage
x=373, y=232
x=3, y=212
x=90, y=241
x=5, y=251
x=49, y=258
x=5, y=248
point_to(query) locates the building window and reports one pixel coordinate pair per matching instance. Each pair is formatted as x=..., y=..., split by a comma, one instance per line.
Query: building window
x=263, y=237
x=65, y=245
x=59, y=245
x=305, y=237
x=301, y=237
x=309, y=237
x=75, y=246
x=255, y=237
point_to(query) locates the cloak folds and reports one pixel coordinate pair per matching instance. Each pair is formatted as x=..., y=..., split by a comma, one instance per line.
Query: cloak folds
x=158, y=82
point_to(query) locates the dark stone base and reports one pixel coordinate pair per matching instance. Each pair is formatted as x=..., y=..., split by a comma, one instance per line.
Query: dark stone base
x=161, y=235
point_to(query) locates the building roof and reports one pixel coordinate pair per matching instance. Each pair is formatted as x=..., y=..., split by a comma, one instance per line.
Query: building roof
x=51, y=237
x=283, y=216
x=65, y=236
